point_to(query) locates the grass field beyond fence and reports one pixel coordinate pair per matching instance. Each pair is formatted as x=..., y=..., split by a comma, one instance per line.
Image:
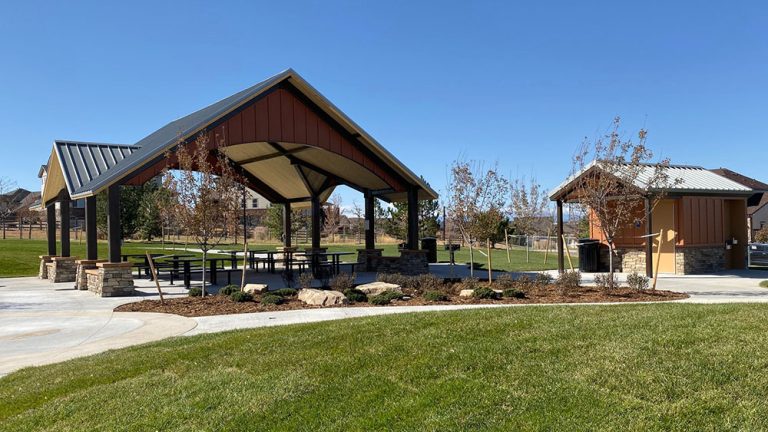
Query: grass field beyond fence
x=20, y=257
x=638, y=367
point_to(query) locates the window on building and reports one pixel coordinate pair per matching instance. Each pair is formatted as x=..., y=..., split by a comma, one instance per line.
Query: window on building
x=255, y=203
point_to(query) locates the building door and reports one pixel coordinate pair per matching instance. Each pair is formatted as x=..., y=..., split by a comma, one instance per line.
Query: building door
x=664, y=219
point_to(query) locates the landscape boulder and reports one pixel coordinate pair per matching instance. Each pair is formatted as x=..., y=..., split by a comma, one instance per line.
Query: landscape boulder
x=466, y=293
x=376, y=288
x=317, y=297
x=255, y=288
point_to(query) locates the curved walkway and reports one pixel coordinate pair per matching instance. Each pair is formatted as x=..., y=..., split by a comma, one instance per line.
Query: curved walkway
x=42, y=323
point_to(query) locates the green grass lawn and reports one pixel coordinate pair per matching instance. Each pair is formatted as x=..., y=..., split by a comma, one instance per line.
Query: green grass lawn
x=20, y=257
x=629, y=367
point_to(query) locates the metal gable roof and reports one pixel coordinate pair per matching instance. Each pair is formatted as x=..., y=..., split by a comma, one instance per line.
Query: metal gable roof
x=166, y=137
x=82, y=162
x=692, y=179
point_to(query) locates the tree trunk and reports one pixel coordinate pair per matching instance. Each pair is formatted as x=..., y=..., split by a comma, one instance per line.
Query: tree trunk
x=610, y=264
x=490, y=271
x=527, y=249
x=205, y=257
x=471, y=260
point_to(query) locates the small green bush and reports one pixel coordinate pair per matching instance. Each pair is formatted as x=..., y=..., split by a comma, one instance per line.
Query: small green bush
x=569, y=279
x=637, y=281
x=524, y=282
x=513, y=293
x=284, y=292
x=272, y=299
x=240, y=296
x=385, y=298
x=195, y=292
x=485, y=293
x=229, y=289
x=606, y=281
x=355, y=295
x=343, y=281
x=435, y=296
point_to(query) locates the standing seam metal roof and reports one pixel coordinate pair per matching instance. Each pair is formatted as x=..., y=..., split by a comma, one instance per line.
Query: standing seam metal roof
x=82, y=162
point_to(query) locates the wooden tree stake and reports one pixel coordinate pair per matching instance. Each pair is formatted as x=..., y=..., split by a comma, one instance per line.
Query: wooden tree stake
x=154, y=276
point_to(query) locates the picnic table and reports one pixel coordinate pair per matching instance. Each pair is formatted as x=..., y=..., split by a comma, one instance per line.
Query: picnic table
x=139, y=266
x=335, y=259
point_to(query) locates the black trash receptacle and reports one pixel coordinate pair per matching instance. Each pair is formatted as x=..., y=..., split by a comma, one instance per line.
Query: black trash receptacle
x=429, y=244
x=589, y=255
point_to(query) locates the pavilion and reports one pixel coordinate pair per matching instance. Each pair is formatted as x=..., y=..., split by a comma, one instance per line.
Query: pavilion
x=287, y=141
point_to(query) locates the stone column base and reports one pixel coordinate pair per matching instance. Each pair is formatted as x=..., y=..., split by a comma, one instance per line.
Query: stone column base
x=413, y=262
x=368, y=259
x=62, y=269
x=44, y=261
x=111, y=279
x=697, y=260
x=81, y=278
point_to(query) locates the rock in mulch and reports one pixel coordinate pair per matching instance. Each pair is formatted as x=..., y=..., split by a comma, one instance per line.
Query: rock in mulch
x=376, y=288
x=466, y=293
x=256, y=288
x=318, y=297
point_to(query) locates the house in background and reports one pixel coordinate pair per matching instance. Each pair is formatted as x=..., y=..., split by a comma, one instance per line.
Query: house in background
x=702, y=219
x=757, y=204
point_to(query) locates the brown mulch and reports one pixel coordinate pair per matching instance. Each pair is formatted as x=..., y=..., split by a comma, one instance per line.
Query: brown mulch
x=222, y=305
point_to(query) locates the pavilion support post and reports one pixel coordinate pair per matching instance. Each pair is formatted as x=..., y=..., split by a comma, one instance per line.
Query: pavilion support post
x=370, y=220
x=413, y=218
x=287, y=232
x=648, y=239
x=113, y=223
x=316, y=222
x=91, y=251
x=51, y=228
x=64, y=206
x=560, y=241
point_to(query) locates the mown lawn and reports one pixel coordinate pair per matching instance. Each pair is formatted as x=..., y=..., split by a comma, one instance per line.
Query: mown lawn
x=629, y=367
x=20, y=257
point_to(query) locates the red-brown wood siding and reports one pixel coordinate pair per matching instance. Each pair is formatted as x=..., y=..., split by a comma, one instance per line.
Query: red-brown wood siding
x=282, y=117
x=702, y=222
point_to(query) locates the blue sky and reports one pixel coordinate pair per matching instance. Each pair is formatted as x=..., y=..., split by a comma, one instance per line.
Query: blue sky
x=517, y=83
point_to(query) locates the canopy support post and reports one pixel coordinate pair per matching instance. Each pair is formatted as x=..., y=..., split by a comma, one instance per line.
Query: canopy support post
x=64, y=207
x=413, y=218
x=370, y=220
x=113, y=223
x=51, y=227
x=91, y=251
x=316, y=222
x=287, y=231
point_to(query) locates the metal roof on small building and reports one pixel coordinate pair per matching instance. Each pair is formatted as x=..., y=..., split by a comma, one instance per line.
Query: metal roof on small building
x=684, y=179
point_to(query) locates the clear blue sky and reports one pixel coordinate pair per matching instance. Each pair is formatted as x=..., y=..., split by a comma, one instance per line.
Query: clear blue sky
x=521, y=83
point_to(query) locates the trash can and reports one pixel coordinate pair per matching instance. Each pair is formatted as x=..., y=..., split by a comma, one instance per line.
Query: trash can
x=429, y=244
x=589, y=255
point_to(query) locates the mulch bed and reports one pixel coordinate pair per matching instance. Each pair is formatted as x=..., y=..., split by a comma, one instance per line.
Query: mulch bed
x=222, y=305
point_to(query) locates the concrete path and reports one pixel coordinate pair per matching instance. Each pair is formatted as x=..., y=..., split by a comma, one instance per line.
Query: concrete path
x=42, y=323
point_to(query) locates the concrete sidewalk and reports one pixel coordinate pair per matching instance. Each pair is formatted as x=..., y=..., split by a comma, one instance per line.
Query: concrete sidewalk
x=42, y=323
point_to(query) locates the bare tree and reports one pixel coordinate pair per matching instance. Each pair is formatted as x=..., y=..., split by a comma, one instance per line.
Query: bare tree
x=206, y=193
x=6, y=201
x=527, y=207
x=359, y=226
x=333, y=213
x=613, y=177
x=476, y=203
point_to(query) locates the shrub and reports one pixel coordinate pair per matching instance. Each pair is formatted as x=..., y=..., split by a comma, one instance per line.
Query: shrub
x=470, y=283
x=427, y=282
x=305, y=280
x=343, y=281
x=513, y=293
x=569, y=279
x=195, y=292
x=272, y=299
x=637, y=281
x=284, y=292
x=485, y=293
x=229, y=289
x=524, y=282
x=385, y=298
x=435, y=296
x=394, y=278
x=355, y=295
x=762, y=235
x=505, y=281
x=606, y=281
x=543, y=279
x=240, y=296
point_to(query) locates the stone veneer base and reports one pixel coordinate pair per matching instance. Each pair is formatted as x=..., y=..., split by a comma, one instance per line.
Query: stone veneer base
x=688, y=260
x=44, y=261
x=62, y=269
x=410, y=262
x=111, y=279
